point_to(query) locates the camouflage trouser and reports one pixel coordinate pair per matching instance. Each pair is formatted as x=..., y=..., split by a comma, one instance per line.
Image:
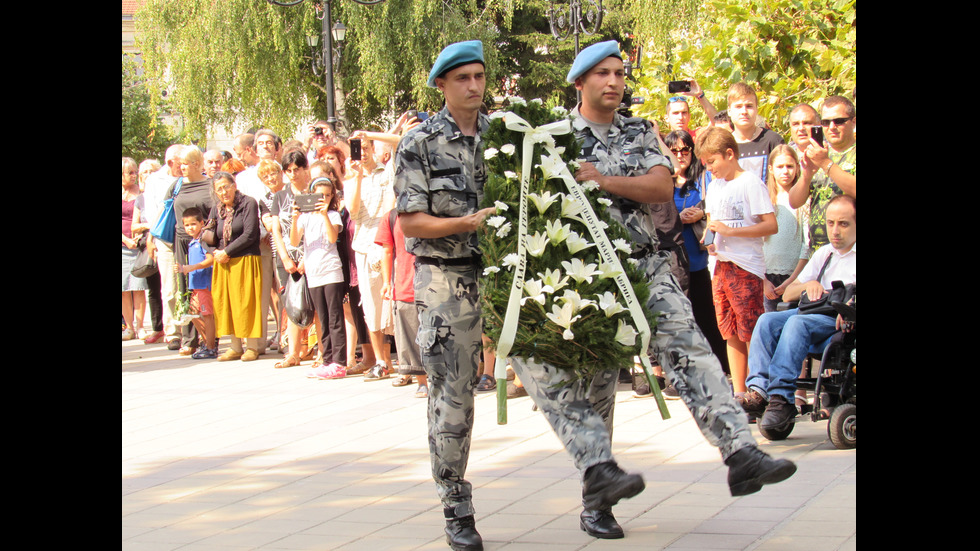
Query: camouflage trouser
x=580, y=412
x=450, y=341
x=688, y=362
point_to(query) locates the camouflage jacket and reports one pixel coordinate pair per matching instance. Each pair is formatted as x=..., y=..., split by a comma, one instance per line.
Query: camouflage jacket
x=440, y=171
x=632, y=150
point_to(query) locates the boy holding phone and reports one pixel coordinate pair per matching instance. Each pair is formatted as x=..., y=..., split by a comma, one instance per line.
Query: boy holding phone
x=740, y=214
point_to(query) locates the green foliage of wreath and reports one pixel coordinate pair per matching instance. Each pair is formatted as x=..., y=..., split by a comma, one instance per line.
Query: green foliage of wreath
x=573, y=314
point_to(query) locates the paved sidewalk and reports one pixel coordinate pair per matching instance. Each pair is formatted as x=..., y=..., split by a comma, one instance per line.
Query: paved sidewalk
x=234, y=456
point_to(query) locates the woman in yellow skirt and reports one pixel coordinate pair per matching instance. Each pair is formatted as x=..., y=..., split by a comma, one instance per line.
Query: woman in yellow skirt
x=236, y=284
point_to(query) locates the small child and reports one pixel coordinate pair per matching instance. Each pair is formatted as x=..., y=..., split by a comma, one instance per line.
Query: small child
x=198, y=273
x=740, y=213
x=319, y=232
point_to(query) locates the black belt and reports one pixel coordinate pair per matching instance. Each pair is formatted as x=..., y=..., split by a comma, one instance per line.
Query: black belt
x=474, y=260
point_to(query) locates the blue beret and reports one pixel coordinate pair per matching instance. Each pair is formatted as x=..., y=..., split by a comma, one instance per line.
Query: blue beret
x=589, y=57
x=453, y=56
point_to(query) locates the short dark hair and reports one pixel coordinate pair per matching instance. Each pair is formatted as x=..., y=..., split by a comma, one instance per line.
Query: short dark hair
x=295, y=157
x=195, y=213
x=844, y=199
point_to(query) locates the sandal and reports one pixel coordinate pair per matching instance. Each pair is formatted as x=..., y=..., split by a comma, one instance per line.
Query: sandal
x=404, y=380
x=288, y=361
x=422, y=391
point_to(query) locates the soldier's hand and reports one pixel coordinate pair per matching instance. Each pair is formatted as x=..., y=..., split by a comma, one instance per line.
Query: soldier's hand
x=479, y=216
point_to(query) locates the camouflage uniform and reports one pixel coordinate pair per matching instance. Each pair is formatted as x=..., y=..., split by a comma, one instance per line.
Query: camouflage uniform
x=682, y=350
x=440, y=171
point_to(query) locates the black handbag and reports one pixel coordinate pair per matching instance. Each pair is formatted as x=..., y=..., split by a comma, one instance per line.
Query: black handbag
x=824, y=305
x=145, y=264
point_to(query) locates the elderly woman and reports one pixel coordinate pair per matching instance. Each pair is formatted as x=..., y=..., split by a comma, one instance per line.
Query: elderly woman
x=133, y=295
x=195, y=191
x=236, y=284
x=147, y=167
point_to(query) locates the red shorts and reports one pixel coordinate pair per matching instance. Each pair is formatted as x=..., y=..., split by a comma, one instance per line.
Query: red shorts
x=738, y=297
x=201, y=303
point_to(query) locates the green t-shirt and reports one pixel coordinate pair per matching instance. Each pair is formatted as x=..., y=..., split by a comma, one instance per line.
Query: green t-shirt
x=822, y=190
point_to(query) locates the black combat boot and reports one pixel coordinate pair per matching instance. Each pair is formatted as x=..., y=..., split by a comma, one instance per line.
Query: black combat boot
x=461, y=534
x=600, y=523
x=605, y=484
x=749, y=468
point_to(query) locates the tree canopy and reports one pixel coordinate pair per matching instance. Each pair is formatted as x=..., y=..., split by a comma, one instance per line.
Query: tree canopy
x=248, y=61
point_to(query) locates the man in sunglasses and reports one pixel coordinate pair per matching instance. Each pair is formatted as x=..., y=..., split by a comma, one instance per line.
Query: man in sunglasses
x=831, y=164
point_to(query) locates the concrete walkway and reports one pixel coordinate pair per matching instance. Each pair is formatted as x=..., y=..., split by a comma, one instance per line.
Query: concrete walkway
x=234, y=456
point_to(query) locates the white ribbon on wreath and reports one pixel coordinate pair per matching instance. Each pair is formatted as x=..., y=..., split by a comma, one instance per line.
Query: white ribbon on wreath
x=543, y=135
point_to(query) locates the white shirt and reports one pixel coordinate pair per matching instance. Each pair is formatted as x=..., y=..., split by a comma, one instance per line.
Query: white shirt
x=250, y=184
x=842, y=267
x=320, y=257
x=739, y=203
x=154, y=193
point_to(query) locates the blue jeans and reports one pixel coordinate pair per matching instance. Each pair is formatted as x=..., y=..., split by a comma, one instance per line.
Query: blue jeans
x=780, y=343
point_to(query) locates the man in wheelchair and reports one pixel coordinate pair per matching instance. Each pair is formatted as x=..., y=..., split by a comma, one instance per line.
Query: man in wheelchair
x=781, y=340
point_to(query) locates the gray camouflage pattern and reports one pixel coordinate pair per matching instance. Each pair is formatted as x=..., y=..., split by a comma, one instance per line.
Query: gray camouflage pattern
x=677, y=343
x=579, y=411
x=440, y=171
x=449, y=339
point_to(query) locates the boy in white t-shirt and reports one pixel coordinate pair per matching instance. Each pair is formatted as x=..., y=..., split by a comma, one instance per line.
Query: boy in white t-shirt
x=740, y=214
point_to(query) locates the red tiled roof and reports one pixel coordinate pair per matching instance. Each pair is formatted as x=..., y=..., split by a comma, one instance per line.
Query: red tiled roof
x=129, y=7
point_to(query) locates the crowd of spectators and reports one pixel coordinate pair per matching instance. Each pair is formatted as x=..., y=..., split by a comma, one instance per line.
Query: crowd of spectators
x=240, y=237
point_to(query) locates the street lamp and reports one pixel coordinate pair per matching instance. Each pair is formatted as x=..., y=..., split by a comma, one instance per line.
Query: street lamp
x=564, y=21
x=338, y=33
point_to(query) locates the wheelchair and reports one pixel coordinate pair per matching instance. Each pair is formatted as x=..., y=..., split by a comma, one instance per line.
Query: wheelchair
x=835, y=386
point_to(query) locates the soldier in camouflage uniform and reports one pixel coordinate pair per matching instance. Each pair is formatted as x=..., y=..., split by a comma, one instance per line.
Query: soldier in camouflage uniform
x=439, y=177
x=622, y=155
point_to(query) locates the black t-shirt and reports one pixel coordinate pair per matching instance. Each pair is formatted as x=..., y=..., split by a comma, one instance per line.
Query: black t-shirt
x=754, y=156
x=192, y=194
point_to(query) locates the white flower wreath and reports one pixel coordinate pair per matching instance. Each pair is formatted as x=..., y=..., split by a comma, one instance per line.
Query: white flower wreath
x=578, y=292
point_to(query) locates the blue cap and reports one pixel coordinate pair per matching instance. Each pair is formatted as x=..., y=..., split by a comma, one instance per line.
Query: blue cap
x=453, y=56
x=589, y=57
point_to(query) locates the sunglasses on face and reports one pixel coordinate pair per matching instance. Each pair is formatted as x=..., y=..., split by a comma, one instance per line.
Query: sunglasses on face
x=838, y=122
x=684, y=149
x=677, y=98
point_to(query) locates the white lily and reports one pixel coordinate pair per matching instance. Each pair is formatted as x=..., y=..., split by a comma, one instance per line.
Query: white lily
x=578, y=303
x=536, y=244
x=536, y=290
x=609, y=305
x=510, y=174
x=625, y=334
x=553, y=278
x=570, y=208
x=544, y=200
x=607, y=271
x=501, y=206
x=622, y=245
x=563, y=317
x=579, y=270
x=508, y=149
x=556, y=231
x=490, y=153
x=576, y=243
x=551, y=166
x=504, y=230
